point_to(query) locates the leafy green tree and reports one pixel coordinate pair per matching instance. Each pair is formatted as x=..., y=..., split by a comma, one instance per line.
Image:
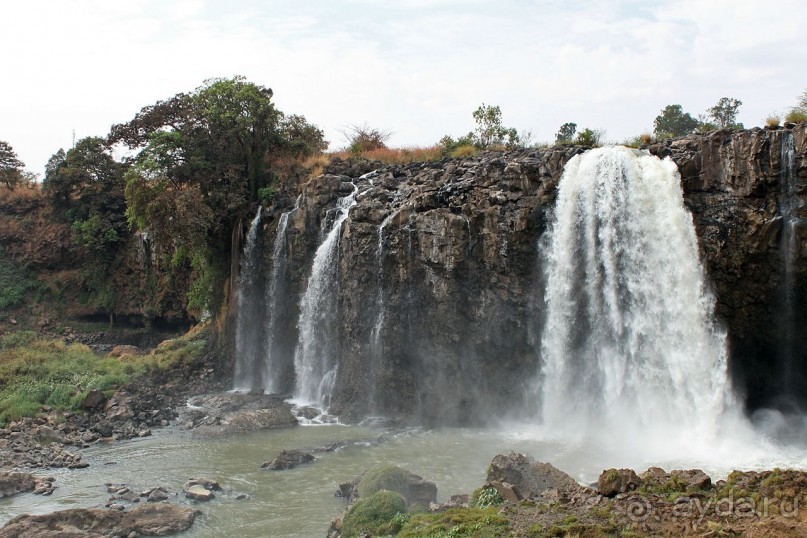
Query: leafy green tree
x=673, y=121
x=724, y=113
x=589, y=137
x=566, y=133
x=489, y=129
x=204, y=160
x=10, y=166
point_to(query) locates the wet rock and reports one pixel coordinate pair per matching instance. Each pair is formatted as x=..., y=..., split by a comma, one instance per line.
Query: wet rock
x=118, y=408
x=288, y=459
x=144, y=520
x=532, y=479
x=12, y=483
x=614, y=481
x=412, y=487
x=201, y=489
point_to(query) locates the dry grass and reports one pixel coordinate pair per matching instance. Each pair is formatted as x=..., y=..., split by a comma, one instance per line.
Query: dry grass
x=394, y=155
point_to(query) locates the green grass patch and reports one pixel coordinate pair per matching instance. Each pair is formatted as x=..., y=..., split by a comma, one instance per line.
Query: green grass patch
x=457, y=522
x=380, y=514
x=388, y=477
x=36, y=371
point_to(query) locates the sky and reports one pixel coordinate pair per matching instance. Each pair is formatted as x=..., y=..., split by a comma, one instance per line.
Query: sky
x=415, y=68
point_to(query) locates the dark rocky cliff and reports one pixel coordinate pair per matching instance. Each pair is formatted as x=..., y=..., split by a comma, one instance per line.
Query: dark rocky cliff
x=439, y=277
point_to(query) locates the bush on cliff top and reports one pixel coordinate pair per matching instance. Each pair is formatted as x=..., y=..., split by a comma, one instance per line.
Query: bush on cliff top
x=378, y=514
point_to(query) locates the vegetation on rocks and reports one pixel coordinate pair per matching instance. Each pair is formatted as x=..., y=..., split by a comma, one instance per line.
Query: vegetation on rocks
x=378, y=514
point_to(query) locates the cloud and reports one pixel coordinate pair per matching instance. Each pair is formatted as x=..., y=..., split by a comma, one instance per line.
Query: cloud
x=415, y=67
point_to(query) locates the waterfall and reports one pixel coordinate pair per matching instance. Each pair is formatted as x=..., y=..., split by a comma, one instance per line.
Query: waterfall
x=629, y=345
x=275, y=369
x=316, y=356
x=248, y=324
x=789, y=211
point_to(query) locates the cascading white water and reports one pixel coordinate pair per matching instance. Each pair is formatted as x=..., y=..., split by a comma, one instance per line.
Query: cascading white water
x=315, y=359
x=629, y=346
x=247, y=332
x=275, y=298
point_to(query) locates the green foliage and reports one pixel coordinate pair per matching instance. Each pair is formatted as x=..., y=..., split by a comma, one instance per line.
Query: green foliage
x=457, y=522
x=724, y=113
x=485, y=497
x=589, y=137
x=35, y=372
x=95, y=234
x=11, y=173
x=15, y=281
x=673, y=121
x=448, y=146
x=489, y=130
x=267, y=194
x=565, y=134
x=378, y=514
x=387, y=477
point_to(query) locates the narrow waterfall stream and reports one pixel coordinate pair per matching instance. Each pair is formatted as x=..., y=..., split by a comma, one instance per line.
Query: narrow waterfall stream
x=629, y=345
x=315, y=360
x=249, y=326
x=277, y=299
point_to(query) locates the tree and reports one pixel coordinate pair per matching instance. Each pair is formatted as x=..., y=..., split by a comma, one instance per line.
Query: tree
x=203, y=161
x=673, y=121
x=361, y=138
x=566, y=133
x=10, y=166
x=724, y=113
x=590, y=137
x=489, y=129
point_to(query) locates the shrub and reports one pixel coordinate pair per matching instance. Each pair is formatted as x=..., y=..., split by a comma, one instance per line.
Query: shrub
x=14, y=283
x=796, y=115
x=589, y=137
x=464, y=151
x=267, y=194
x=772, y=120
x=485, y=497
x=378, y=514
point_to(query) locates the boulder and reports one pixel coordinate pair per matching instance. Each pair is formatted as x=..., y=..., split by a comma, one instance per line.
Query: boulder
x=93, y=400
x=414, y=488
x=614, y=481
x=288, y=459
x=12, y=483
x=201, y=489
x=117, y=408
x=531, y=479
x=695, y=479
x=144, y=520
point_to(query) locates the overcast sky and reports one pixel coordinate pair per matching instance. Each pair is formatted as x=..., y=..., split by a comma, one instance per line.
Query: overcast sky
x=417, y=68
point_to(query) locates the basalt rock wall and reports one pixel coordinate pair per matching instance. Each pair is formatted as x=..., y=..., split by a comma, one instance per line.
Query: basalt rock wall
x=440, y=271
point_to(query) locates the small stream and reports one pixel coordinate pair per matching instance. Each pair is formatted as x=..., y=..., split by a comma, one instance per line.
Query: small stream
x=301, y=502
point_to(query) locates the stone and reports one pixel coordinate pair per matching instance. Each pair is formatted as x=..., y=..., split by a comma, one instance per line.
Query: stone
x=694, y=478
x=614, y=481
x=117, y=408
x=12, y=483
x=93, y=400
x=532, y=479
x=508, y=492
x=412, y=487
x=157, y=495
x=144, y=520
x=199, y=493
x=288, y=459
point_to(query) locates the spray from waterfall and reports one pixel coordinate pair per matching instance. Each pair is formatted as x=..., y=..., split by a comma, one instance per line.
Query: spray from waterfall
x=316, y=356
x=629, y=344
x=248, y=323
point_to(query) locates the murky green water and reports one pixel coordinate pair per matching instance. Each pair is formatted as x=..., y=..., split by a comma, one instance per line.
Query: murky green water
x=301, y=502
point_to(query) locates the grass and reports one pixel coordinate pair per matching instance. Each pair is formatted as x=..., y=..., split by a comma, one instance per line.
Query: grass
x=457, y=522
x=797, y=115
x=36, y=371
x=394, y=155
x=378, y=514
x=388, y=477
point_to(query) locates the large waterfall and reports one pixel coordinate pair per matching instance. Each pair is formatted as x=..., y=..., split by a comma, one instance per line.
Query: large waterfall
x=628, y=344
x=316, y=357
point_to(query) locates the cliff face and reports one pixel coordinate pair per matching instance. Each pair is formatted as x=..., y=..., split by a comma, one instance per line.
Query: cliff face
x=439, y=277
